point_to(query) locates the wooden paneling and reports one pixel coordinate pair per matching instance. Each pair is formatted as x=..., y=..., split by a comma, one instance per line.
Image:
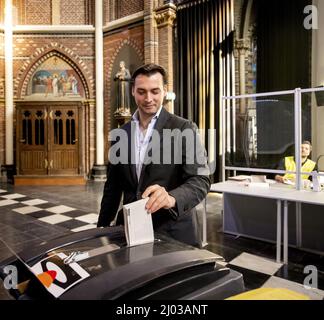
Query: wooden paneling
x=32, y=160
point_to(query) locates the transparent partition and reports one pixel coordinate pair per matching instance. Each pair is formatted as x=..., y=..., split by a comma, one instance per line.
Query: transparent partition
x=312, y=130
x=259, y=131
x=262, y=131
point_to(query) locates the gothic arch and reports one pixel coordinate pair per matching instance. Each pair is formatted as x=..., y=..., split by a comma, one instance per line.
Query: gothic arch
x=40, y=56
x=246, y=18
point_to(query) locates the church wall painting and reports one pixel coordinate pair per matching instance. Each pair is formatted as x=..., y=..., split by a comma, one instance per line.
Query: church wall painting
x=55, y=79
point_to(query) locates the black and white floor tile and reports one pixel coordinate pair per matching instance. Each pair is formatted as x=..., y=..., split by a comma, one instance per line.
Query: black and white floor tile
x=26, y=220
x=60, y=215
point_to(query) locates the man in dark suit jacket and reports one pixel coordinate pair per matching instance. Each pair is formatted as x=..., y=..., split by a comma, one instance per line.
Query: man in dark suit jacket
x=177, y=182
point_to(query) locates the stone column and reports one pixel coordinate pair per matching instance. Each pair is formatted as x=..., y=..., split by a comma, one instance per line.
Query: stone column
x=9, y=102
x=150, y=32
x=99, y=169
x=165, y=16
x=242, y=48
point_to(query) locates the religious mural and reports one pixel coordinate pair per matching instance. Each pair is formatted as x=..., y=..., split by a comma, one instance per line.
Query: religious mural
x=55, y=79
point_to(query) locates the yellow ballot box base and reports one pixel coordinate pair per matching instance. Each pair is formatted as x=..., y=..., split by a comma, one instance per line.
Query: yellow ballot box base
x=270, y=294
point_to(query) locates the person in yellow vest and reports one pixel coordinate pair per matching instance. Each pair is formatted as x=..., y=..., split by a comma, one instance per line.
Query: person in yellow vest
x=289, y=164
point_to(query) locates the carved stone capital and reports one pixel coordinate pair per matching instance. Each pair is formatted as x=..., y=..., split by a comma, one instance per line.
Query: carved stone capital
x=242, y=45
x=165, y=15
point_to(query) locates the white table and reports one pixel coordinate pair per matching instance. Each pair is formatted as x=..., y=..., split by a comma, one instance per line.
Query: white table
x=280, y=193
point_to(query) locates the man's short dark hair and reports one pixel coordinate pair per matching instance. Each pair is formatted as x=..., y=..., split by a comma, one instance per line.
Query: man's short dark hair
x=148, y=70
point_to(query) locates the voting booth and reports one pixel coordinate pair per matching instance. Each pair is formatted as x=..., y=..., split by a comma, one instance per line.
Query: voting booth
x=98, y=264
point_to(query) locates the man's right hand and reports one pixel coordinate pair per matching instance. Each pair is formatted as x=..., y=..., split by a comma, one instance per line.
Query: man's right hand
x=159, y=198
x=279, y=178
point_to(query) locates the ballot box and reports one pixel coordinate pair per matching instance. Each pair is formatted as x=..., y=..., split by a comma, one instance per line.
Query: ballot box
x=98, y=264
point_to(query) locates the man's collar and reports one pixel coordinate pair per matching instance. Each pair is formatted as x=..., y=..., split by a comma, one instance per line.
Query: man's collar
x=136, y=113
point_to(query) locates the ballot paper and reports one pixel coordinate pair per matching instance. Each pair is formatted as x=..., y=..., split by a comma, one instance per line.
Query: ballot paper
x=138, y=223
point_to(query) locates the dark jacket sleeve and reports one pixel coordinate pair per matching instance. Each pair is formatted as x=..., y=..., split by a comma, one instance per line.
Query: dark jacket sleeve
x=111, y=197
x=195, y=174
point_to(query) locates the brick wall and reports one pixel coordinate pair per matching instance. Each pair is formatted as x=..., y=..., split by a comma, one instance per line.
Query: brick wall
x=38, y=12
x=29, y=12
x=116, y=9
x=126, y=7
x=73, y=12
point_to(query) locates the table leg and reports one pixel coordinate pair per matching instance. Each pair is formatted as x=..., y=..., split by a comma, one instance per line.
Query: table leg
x=298, y=224
x=278, y=230
x=285, y=232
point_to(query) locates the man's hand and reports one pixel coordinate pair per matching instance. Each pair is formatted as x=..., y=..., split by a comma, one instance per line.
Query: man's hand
x=279, y=178
x=159, y=198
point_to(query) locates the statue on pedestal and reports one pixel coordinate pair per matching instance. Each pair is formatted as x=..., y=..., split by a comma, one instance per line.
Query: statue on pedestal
x=123, y=78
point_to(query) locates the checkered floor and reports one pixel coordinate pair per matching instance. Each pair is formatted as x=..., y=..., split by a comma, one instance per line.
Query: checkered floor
x=59, y=215
x=26, y=221
x=260, y=272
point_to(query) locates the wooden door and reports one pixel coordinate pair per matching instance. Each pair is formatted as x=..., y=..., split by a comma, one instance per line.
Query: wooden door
x=32, y=141
x=63, y=142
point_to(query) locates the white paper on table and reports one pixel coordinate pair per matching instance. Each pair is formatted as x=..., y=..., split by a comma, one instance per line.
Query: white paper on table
x=138, y=223
x=289, y=182
x=258, y=185
x=258, y=179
